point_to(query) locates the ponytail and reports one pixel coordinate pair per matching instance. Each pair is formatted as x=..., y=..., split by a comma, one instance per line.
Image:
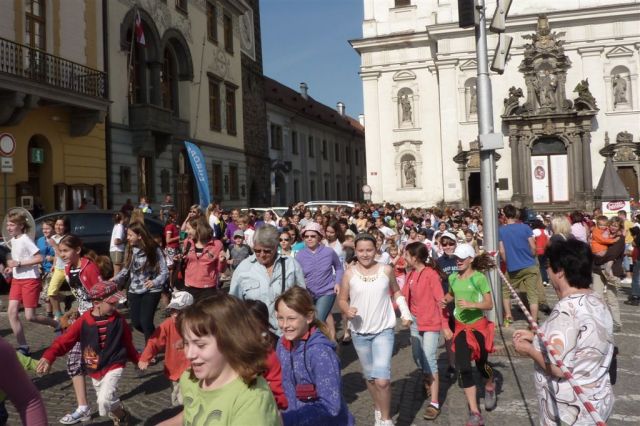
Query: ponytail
x=483, y=262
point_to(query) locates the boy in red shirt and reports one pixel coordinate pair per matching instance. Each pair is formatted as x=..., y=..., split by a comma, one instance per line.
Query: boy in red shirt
x=106, y=344
x=166, y=338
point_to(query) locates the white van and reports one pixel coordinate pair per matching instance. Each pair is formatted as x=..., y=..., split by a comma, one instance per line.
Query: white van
x=333, y=205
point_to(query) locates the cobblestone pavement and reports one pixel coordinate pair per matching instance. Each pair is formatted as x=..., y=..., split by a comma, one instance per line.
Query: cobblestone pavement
x=146, y=395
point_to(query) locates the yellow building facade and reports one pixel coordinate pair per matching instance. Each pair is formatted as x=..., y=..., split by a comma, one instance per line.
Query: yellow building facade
x=53, y=101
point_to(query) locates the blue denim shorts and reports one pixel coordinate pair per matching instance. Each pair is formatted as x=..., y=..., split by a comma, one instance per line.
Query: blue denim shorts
x=375, y=352
x=424, y=347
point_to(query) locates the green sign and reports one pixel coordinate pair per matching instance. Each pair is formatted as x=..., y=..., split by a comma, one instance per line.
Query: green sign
x=37, y=156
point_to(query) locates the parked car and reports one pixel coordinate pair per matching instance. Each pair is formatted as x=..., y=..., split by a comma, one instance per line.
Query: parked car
x=94, y=227
x=333, y=205
x=260, y=210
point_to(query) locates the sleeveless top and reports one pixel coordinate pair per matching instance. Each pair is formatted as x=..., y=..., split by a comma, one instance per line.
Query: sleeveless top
x=370, y=295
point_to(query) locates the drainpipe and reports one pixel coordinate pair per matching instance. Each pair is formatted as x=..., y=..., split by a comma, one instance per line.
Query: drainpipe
x=107, y=123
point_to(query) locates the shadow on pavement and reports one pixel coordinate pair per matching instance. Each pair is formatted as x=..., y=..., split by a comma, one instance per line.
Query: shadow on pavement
x=156, y=384
x=352, y=385
x=163, y=415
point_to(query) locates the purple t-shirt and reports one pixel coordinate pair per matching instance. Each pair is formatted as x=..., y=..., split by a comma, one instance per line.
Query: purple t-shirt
x=322, y=269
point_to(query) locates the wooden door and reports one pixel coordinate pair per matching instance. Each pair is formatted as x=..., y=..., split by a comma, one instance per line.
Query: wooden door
x=630, y=180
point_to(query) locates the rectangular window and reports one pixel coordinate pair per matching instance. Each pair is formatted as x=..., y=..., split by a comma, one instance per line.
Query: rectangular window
x=336, y=152
x=216, y=181
x=227, y=23
x=338, y=195
x=312, y=151
x=181, y=5
x=294, y=144
x=212, y=23
x=233, y=182
x=324, y=150
x=296, y=189
x=326, y=189
x=215, y=118
x=276, y=136
x=357, y=154
x=312, y=189
x=400, y=3
x=231, y=109
x=145, y=177
x=347, y=154
x=36, y=24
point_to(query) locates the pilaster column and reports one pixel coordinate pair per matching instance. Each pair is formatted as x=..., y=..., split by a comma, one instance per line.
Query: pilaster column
x=515, y=166
x=576, y=179
x=373, y=143
x=447, y=87
x=586, y=165
x=591, y=61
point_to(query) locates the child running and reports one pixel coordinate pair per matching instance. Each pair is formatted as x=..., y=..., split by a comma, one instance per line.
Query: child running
x=473, y=336
x=26, y=283
x=227, y=356
x=106, y=343
x=166, y=338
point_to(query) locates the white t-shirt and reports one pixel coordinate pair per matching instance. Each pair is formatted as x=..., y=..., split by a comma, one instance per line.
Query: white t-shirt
x=370, y=295
x=59, y=263
x=117, y=233
x=387, y=232
x=248, y=237
x=22, y=249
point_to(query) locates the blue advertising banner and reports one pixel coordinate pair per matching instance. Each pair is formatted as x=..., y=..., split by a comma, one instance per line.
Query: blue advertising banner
x=199, y=166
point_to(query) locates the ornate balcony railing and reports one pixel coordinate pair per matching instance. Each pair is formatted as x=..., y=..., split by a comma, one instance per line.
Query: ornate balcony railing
x=35, y=65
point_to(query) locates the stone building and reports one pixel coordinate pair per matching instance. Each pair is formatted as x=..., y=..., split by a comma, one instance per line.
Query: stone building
x=53, y=102
x=571, y=79
x=316, y=152
x=184, y=83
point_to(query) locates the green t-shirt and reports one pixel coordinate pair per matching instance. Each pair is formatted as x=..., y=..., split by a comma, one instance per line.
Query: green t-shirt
x=233, y=404
x=471, y=289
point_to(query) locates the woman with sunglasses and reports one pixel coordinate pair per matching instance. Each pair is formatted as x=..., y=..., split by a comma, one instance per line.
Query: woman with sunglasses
x=322, y=269
x=473, y=335
x=284, y=249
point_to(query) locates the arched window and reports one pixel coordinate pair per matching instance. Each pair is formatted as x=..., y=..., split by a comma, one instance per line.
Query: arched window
x=169, y=81
x=621, y=88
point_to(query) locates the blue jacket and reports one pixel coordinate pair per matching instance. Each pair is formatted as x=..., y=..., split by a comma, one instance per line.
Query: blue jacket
x=323, y=370
x=45, y=250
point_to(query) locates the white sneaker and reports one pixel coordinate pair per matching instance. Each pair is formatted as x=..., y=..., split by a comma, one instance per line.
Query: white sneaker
x=627, y=280
x=386, y=422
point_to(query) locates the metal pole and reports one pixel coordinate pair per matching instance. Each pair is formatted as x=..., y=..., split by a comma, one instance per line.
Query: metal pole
x=487, y=160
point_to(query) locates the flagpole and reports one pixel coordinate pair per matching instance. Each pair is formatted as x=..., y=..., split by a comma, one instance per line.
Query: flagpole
x=133, y=40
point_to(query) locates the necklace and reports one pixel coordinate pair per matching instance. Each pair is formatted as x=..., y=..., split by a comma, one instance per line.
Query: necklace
x=366, y=278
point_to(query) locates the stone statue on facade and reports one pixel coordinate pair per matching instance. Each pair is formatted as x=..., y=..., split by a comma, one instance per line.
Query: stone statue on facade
x=545, y=87
x=409, y=174
x=405, y=108
x=513, y=100
x=619, y=90
x=582, y=89
x=473, y=100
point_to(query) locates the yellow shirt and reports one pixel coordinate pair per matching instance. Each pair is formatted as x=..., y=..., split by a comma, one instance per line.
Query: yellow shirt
x=628, y=238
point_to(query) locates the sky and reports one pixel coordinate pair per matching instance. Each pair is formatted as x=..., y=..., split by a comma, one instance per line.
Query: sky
x=308, y=41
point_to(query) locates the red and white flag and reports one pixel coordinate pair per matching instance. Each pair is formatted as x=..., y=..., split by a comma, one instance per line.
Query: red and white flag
x=139, y=30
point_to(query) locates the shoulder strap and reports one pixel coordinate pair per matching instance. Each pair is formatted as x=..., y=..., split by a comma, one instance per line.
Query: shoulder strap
x=283, y=261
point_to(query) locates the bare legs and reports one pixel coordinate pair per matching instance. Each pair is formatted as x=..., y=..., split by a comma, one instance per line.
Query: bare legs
x=380, y=391
x=30, y=315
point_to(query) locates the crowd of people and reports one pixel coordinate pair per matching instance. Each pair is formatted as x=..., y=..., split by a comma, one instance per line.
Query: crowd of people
x=255, y=305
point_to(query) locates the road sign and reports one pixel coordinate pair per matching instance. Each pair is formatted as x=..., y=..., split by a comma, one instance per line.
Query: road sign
x=7, y=145
x=6, y=165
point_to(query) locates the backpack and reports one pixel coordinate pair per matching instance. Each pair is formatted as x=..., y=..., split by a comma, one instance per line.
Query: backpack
x=541, y=242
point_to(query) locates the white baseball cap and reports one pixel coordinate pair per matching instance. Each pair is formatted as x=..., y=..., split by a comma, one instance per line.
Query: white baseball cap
x=464, y=251
x=180, y=300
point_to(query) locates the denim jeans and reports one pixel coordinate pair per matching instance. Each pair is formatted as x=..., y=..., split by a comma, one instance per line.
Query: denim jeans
x=374, y=352
x=424, y=346
x=324, y=304
x=142, y=308
x=635, y=279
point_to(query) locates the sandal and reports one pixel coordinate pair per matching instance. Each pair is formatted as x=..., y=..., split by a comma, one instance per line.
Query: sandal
x=431, y=412
x=77, y=416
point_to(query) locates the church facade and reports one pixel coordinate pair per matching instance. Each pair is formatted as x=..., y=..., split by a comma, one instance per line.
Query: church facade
x=569, y=98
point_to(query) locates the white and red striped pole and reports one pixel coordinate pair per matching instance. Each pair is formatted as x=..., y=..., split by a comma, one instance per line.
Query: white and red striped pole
x=553, y=354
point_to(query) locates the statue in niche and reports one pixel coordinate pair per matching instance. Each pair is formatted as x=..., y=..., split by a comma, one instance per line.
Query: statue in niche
x=409, y=173
x=619, y=90
x=405, y=107
x=545, y=87
x=473, y=100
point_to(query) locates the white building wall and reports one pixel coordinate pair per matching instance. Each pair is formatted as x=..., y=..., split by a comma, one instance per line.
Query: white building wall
x=597, y=39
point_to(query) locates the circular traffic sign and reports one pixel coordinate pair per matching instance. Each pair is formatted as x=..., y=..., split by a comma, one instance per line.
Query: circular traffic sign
x=366, y=189
x=7, y=145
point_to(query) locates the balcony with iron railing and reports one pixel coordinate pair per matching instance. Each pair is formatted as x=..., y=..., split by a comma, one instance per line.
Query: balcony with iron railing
x=35, y=66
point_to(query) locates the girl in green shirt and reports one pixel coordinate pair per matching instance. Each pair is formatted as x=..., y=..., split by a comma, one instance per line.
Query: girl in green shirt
x=227, y=355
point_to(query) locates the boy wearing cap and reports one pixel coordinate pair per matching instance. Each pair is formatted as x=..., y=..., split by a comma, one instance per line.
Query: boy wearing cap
x=166, y=338
x=106, y=344
x=239, y=251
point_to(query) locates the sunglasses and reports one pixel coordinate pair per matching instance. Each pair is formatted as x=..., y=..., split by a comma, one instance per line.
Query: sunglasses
x=262, y=251
x=448, y=244
x=285, y=239
x=309, y=235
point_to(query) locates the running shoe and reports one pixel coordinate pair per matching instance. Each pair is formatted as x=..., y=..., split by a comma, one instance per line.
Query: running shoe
x=80, y=415
x=475, y=419
x=490, y=399
x=431, y=412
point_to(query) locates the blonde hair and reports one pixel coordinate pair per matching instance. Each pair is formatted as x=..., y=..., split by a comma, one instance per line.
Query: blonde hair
x=19, y=218
x=299, y=300
x=561, y=225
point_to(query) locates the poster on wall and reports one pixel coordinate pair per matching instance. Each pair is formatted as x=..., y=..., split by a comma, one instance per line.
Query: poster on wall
x=559, y=178
x=611, y=208
x=540, y=178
